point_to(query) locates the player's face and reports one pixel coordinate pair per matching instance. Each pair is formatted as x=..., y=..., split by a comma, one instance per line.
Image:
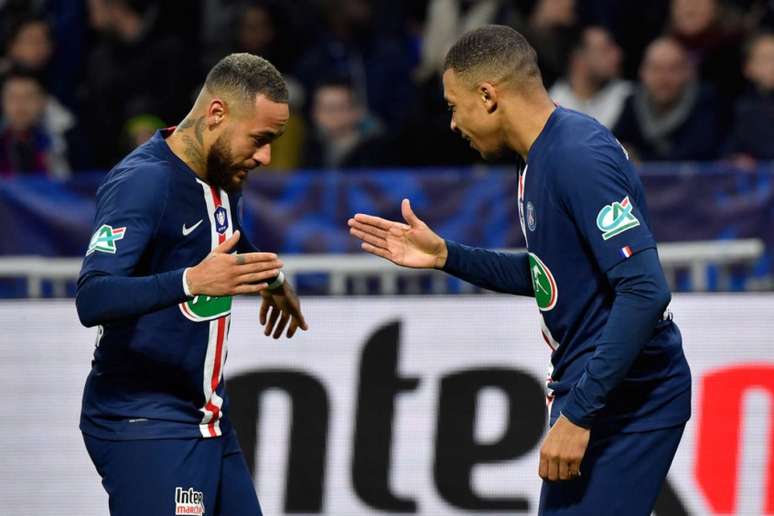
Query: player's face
x=245, y=143
x=471, y=117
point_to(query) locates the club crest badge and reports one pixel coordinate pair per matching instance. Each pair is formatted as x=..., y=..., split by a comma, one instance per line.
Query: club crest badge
x=221, y=220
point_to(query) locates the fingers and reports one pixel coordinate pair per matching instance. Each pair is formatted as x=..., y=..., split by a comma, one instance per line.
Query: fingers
x=373, y=221
x=408, y=213
x=365, y=237
x=250, y=258
x=574, y=469
x=228, y=244
x=265, y=304
x=378, y=251
x=256, y=277
x=275, y=312
x=564, y=470
x=283, y=322
x=553, y=468
x=292, y=328
x=247, y=289
x=369, y=228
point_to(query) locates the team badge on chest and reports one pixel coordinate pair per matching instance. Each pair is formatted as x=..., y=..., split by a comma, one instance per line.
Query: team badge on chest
x=543, y=283
x=221, y=220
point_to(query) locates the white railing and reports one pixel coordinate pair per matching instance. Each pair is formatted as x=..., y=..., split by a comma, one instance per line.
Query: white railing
x=353, y=272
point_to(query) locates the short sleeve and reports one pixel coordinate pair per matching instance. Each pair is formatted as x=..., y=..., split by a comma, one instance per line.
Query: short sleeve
x=604, y=197
x=129, y=207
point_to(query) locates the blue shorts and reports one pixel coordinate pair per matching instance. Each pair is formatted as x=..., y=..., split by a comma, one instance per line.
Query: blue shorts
x=175, y=476
x=621, y=474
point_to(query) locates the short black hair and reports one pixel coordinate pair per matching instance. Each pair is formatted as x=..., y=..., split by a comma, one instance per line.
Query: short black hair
x=246, y=76
x=495, y=53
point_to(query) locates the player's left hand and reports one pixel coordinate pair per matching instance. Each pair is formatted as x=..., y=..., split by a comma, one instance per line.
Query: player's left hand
x=285, y=307
x=562, y=451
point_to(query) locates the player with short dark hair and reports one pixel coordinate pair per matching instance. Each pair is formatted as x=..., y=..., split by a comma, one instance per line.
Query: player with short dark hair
x=166, y=257
x=619, y=392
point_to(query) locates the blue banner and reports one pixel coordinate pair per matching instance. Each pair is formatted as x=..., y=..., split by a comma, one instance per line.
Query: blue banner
x=306, y=212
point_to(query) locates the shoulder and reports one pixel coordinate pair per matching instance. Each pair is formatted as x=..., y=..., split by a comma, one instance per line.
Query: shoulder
x=577, y=138
x=584, y=150
x=140, y=178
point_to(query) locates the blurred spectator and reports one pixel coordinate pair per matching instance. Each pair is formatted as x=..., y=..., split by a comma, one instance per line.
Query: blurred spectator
x=447, y=20
x=551, y=26
x=670, y=116
x=344, y=135
x=26, y=146
x=263, y=29
x=753, y=129
x=138, y=67
x=29, y=43
x=140, y=129
x=712, y=35
x=592, y=85
x=378, y=66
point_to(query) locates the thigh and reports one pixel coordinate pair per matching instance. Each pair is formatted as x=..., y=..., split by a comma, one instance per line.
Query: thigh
x=236, y=496
x=622, y=473
x=158, y=476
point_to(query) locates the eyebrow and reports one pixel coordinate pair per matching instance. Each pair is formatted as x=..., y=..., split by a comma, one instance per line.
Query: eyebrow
x=269, y=134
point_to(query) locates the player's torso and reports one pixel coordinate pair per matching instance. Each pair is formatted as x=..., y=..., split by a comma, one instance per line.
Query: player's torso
x=570, y=290
x=196, y=218
x=164, y=368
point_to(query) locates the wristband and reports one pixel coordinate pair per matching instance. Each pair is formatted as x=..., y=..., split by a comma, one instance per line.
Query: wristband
x=278, y=281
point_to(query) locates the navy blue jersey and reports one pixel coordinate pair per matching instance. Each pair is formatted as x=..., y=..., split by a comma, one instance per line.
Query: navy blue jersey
x=582, y=210
x=159, y=373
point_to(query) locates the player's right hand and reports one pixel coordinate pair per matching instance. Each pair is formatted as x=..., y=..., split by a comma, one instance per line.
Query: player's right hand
x=224, y=274
x=412, y=244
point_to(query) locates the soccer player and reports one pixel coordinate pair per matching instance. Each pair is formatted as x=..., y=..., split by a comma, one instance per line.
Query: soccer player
x=619, y=392
x=166, y=258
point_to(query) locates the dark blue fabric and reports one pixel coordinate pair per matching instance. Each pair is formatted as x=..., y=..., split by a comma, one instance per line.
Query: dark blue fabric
x=156, y=349
x=492, y=270
x=621, y=474
x=142, y=476
x=641, y=295
x=583, y=212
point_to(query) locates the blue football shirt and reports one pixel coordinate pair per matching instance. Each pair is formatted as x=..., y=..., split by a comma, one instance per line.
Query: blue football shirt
x=160, y=374
x=582, y=210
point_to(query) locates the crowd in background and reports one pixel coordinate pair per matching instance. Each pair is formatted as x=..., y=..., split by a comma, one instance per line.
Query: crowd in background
x=84, y=82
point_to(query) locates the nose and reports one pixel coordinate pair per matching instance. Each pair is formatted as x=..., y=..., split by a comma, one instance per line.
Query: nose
x=263, y=155
x=453, y=125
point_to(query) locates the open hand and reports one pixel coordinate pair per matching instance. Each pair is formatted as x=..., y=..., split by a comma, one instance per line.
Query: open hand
x=412, y=244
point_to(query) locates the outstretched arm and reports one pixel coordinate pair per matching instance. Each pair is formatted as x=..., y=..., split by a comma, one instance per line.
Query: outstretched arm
x=413, y=244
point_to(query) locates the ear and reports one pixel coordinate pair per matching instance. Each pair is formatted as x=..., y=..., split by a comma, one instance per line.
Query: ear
x=216, y=112
x=488, y=96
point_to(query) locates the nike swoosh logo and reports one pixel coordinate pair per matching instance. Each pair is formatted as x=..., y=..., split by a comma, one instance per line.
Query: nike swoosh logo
x=187, y=231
